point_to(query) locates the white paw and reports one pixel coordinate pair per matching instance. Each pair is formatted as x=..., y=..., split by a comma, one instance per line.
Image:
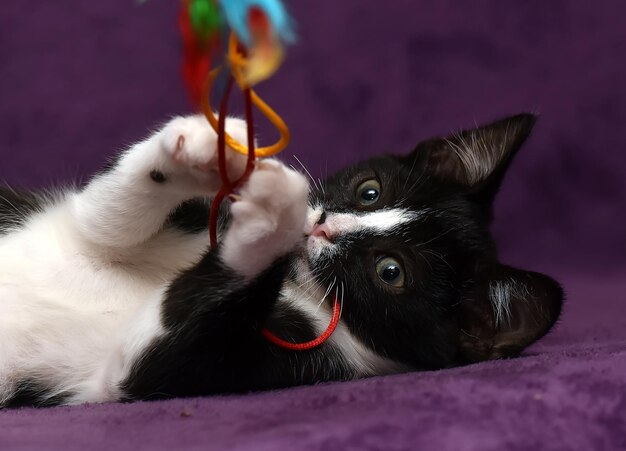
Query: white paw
x=191, y=145
x=267, y=219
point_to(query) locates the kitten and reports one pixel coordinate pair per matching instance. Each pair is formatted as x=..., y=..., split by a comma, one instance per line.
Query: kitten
x=111, y=293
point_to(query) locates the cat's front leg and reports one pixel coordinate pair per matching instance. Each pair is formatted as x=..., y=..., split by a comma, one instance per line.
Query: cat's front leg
x=208, y=336
x=129, y=203
x=267, y=218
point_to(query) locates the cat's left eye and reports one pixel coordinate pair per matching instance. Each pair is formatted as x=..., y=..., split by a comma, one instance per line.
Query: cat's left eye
x=390, y=271
x=368, y=192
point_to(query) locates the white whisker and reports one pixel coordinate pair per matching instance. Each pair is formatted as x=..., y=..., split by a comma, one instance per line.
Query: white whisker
x=330, y=287
x=308, y=173
x=341, y=299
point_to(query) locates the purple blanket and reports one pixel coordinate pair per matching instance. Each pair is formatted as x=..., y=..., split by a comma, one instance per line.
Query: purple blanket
x=80, y=79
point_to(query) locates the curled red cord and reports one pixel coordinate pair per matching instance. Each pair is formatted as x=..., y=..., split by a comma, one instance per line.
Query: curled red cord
x=334, y=321
x=228, y=187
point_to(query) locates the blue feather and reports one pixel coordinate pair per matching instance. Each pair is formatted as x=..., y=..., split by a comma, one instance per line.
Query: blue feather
x=236, y=13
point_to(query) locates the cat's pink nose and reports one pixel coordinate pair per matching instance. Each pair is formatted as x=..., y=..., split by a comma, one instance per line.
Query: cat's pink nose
x=322, y=231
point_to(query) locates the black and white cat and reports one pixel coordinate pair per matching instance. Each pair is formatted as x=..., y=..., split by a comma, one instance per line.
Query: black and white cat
x=110, y=292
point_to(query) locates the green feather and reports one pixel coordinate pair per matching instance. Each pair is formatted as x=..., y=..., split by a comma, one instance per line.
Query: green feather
x=205, y=17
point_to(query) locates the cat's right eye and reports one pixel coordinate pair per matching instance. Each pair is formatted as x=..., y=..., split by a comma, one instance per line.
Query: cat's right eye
x=368, y=192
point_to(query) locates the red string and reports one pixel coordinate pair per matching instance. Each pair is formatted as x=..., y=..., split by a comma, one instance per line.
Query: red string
x=227, y=189
x=334, y=321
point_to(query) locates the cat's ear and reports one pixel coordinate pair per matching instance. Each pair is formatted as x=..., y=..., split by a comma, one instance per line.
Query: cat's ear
x=505, y=310
x=478, y=156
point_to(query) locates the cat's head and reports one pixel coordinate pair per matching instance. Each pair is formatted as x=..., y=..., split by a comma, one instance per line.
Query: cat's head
x=408, y=239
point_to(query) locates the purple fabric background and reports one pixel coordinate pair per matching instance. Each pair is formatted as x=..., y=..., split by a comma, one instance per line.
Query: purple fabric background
x=81, y=79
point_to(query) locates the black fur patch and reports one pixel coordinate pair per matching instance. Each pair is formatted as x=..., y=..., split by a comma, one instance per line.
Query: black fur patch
x=16, y=207
x=193, y=216
x=157, y=176
x=33, y=394
x=289, y=324
x=215, y=345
